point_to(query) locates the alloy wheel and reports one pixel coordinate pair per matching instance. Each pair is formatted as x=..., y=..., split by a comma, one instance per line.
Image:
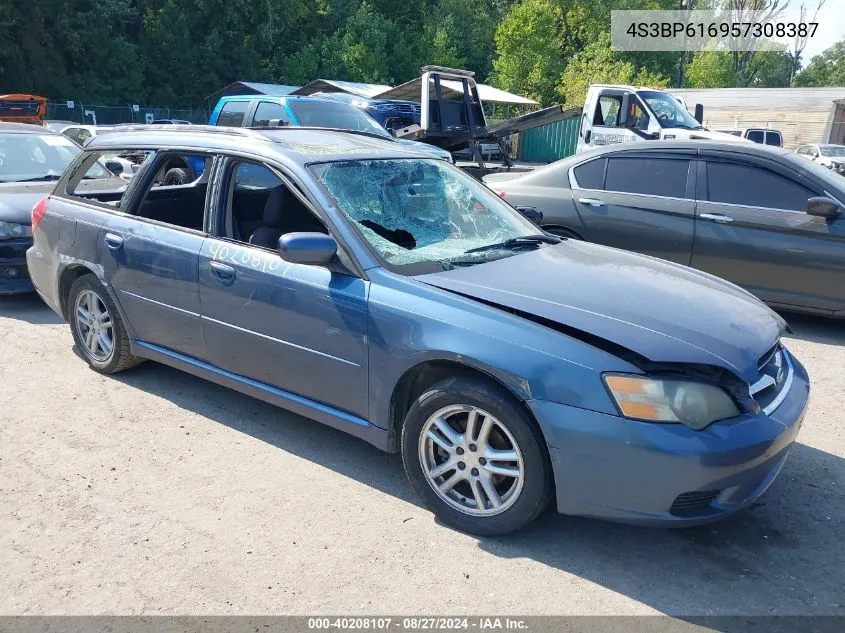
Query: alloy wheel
x=94, y=325
x=471, y=460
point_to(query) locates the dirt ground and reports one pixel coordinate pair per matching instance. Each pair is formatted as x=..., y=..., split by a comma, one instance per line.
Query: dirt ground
x=154, y=492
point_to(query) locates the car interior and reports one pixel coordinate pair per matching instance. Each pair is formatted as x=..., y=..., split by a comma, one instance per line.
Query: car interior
x=262, y=208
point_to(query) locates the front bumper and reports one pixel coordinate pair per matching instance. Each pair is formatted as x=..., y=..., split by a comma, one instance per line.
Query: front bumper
x=14, y=276
x=667, y=474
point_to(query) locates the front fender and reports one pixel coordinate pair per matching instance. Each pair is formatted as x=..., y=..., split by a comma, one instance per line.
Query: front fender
x=412, y=323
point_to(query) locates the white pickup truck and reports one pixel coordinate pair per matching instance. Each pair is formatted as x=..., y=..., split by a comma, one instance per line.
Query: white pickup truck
x=627, y=114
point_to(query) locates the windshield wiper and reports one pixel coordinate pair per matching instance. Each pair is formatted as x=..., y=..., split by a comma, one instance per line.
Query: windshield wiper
x=46, y=178
x=522, y=240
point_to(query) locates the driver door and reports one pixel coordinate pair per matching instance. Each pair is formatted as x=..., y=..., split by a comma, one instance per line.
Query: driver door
x=298, y=328
x=752, y=229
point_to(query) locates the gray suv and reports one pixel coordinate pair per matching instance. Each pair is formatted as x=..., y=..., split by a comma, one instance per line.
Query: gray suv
x=761, y=217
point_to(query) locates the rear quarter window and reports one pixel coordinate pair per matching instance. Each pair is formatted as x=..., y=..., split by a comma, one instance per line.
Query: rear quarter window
x=590, y=175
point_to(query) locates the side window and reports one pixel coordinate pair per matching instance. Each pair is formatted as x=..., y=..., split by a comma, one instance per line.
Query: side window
x=260, y=207
x=268, y=111
x=232, y=114
x=774, y=138
x=607, y=111
x=651, y=176
x=92, y=182
x=755, y=135
x=73, y=134
x=590, y=175
x=176, y=192
x=755, y=187
x=83, y=135
x=803, y=150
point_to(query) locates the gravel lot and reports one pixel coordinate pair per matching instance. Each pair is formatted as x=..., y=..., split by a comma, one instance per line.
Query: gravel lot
x=156, y=492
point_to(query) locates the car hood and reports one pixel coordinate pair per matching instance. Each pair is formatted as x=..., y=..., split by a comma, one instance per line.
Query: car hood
x=665, y=312
x=17, y=200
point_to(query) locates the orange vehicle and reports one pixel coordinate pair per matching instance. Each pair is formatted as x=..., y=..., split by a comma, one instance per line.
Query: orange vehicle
x=23, y=108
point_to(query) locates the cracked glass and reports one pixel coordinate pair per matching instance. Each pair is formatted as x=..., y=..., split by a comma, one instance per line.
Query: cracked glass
x=422, y=215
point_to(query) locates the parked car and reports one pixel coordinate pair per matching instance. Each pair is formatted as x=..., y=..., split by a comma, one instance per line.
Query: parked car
x=22, y=108
x=391, y=295
x=757, y=216
x=80, y=133
x=827, y=155
x=31, y=160
x=257, y=111
x=57, y=125
x=763, y=136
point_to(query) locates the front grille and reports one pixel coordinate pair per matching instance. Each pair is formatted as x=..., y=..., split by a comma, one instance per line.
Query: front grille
x=775, y=378
x=690, y=503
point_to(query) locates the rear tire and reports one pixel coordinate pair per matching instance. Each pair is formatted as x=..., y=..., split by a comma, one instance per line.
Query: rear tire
x=97, y=328
x=476, y=457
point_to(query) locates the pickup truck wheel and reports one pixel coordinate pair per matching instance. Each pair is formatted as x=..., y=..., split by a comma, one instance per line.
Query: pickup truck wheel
x=97, y=328
x=475, y=457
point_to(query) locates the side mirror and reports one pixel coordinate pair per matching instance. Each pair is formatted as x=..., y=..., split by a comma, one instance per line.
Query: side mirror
x=313, y=249
x=114, y=167
x=277, y=123
x=823, y=207
x=532, y=214
x=699, y=113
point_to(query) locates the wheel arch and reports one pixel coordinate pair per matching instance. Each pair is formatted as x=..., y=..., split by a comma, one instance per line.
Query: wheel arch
x=551, y=228
x=416, y=379
x=70, y=274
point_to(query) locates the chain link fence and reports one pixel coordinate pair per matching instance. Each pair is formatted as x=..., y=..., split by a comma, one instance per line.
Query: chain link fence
x=90, y=114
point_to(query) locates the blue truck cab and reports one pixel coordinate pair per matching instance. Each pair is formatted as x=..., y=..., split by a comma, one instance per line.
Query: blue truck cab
x=306, y=111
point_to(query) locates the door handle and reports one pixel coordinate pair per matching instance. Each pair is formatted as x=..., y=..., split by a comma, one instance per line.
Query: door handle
x=222, y=272
x=591, y=202
x=114, y=242
x=717, y=217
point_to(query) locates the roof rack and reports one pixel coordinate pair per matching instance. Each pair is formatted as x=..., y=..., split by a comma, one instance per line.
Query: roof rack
x=447, y=70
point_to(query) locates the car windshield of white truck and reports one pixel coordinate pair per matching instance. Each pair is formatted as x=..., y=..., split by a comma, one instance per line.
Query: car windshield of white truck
x=667, y=109
x=423, y=215
x=333, y=114
x=26, y=157
x=832, y=150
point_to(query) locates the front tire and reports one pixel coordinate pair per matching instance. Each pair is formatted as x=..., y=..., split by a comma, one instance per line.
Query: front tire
x=476, y=458
x=97, y=328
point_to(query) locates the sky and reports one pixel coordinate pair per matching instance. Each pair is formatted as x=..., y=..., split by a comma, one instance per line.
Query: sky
x=831, y=28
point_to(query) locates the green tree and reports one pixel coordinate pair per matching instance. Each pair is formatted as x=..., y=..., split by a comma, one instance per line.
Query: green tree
x=528, y=55
x=826, y=69
x=365, y=46
x=711, y=69
x=597, y=63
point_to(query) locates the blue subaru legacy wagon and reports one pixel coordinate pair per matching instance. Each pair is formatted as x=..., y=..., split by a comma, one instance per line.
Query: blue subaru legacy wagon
x=388, y=294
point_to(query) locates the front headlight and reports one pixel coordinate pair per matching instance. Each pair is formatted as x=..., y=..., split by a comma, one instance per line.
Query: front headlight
x=694, y=404
x=12, y=230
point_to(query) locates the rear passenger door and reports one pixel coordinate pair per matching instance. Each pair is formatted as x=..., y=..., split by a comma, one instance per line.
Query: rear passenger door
x=150, y=253
x=643, y=202
x=753, y=230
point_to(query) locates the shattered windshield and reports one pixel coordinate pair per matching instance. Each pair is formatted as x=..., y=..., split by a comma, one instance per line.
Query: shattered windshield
x=668, y=110
x=422, y=215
